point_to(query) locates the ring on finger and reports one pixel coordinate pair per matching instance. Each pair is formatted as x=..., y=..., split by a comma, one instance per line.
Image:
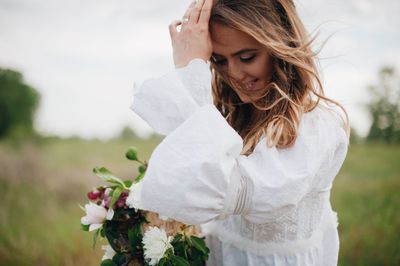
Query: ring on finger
x=184, y=20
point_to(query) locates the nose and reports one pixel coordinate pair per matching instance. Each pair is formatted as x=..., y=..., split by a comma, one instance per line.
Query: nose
x=235, y=72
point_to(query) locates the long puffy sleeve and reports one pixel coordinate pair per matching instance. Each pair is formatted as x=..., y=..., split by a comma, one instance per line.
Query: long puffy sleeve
x=197, y=173
x=167, y=101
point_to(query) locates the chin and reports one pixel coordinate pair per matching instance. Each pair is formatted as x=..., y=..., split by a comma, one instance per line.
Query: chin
x=245, y=99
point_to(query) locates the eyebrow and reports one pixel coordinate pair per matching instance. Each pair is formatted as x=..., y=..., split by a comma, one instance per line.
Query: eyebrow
x=239, y=52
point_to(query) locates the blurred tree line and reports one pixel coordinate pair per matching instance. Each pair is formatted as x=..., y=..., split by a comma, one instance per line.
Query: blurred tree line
x=18, y=103
x=384, y=107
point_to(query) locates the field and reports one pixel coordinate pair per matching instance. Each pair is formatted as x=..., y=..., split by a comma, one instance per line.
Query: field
x=42, y=184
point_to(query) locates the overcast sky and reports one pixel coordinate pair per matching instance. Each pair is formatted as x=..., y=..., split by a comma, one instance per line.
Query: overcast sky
x=84, y=56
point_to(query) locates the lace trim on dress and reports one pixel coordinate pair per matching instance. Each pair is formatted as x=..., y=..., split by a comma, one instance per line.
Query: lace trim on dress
x=329, y=220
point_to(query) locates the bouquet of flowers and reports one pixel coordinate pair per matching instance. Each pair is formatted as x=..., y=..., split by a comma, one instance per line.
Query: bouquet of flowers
x=137, y=237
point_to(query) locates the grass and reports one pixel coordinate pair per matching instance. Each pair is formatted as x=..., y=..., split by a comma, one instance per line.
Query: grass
x=366, y=196
x=42, y=185
x=40, y=229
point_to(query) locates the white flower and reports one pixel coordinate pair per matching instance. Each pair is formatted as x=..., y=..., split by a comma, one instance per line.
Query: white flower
x=156, y=243
x=96, y=215
x=109, y=252
x=133, y=200
x=108, y=191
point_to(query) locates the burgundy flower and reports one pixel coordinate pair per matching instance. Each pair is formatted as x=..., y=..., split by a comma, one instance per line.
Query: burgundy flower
x=93, y=195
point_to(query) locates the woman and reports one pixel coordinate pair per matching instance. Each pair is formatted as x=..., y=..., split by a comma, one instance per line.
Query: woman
x=252, y=145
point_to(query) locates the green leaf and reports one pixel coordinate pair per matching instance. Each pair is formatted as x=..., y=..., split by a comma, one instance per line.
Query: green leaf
x=85, y=227
x=180, y=248
x=108, y=262
x=139, y=177
x=162, y=262
x=142, y=169
x=196, y=255
x=111, y=234
x=115, y=196
x=199, y=262
x=95, y=236
x=128, y=183
x=119, y=259
x=179, y=261
x=107, y=176
x=135, y=237
x=82, y=208
x=131, y=154
x=199, y=244
x=176, y=239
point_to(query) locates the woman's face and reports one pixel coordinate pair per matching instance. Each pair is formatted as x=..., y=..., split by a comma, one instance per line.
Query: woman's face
x=241, y=58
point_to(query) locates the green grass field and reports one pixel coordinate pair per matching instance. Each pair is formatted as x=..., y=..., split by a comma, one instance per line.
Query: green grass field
x=366, y=196
x=41, y=186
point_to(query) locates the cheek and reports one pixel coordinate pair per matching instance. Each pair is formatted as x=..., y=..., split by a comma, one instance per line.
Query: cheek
x=258, y=71
x=261, y=68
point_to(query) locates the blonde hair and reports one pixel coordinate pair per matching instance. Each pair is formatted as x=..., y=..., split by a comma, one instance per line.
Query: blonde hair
x=295, y=87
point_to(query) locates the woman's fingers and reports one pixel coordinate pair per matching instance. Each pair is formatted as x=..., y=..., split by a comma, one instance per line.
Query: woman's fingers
x=206, y=12
x=189, y=10
x=196, y=10
x=172, y=28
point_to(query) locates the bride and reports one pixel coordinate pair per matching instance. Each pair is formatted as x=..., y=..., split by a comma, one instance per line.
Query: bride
x=252, y=144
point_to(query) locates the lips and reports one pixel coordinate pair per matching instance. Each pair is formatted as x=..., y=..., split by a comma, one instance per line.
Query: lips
x=250, y=84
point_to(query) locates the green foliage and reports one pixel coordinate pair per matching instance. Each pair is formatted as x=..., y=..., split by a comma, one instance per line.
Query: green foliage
x=163, y=262
x=108, y=262
x=141, y=169
x=127, y=134
x=385, y=107
x=179, y=261
x=128, y=183
x=131, y=154
x=96, y=236
x=115, y=196
x=119, y=259
x=107, y=176
x=18, y=103
x=355, y=138
x=187, y=248
x=135, y=238
x=85, y=227
x=139, y=177
x=199, y=244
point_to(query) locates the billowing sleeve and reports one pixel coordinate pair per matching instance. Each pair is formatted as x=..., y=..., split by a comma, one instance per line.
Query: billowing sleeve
x=197, y=173
x=166, y=102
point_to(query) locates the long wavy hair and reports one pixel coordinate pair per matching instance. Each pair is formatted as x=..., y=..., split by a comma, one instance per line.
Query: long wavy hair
x=295, y=87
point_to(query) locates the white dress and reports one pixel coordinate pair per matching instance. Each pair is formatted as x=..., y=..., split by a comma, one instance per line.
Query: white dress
x=269, y=208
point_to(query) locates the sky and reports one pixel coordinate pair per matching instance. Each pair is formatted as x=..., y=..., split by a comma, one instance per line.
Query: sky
x=84, y=56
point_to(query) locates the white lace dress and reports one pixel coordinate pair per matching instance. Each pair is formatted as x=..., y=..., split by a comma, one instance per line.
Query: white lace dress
x=269, y=208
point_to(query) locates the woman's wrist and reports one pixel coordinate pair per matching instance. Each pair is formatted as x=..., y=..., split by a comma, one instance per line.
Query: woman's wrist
x=190, y=61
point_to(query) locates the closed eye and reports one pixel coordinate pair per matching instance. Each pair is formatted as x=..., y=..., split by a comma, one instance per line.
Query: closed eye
x=247, y=59
x=218, y=61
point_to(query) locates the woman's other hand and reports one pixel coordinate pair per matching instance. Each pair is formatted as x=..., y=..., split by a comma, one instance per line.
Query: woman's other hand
x=193, y=40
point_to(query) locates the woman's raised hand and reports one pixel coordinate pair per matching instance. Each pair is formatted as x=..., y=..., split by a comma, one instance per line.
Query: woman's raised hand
x=193, y=40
